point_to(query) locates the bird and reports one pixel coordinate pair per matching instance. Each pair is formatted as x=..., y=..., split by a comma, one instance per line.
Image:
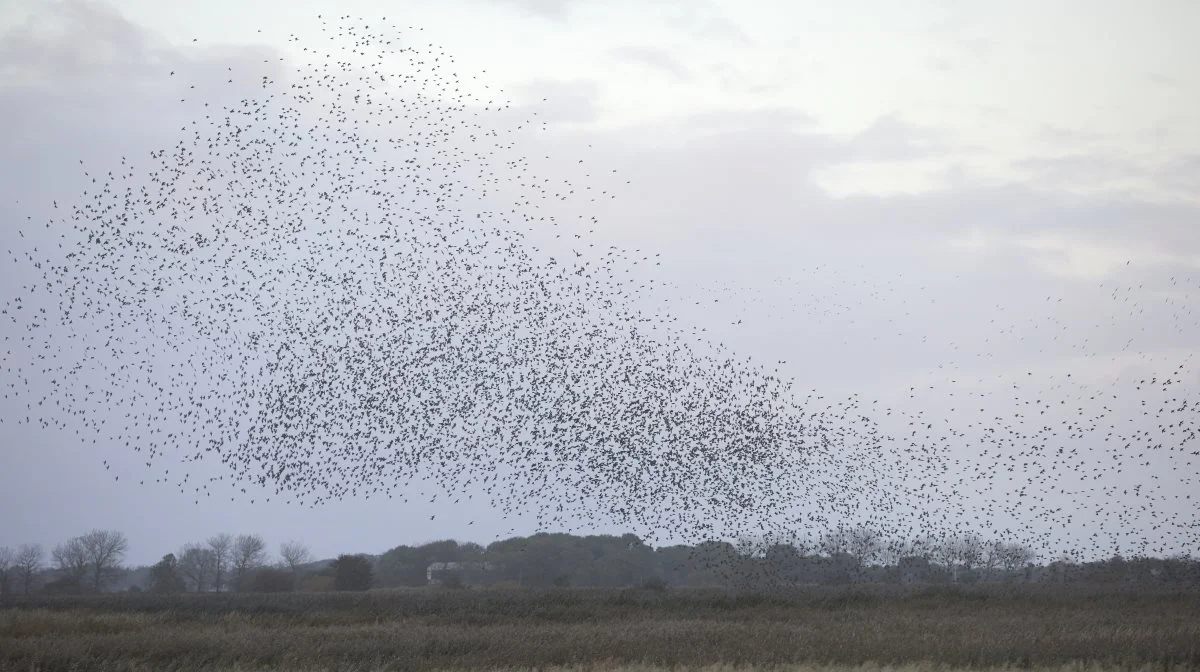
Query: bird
x=345, y=284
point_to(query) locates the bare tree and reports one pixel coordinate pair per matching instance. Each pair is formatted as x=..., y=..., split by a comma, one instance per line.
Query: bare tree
x=860, y=543
x=834, y=542
x=864, y=544
x=970, y=550
x=197, y=565
x=993, y=553
x=803, y=542
x=71, y=559
x=27, y=563
x=221, y=546
x=294, y=554
x=6, y=563
x=1015, y=556
x=924, y=547
x=948, y=554
x=103, y=551
x=249, y=553
x=752, y=546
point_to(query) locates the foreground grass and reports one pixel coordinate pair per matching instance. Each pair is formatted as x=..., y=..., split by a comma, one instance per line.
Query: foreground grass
x=820, y=630
x=718, y=667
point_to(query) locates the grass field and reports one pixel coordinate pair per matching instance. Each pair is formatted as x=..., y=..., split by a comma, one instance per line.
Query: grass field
x=818, y=629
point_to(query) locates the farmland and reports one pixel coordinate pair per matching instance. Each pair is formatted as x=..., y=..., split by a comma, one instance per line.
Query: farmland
x=909, y=628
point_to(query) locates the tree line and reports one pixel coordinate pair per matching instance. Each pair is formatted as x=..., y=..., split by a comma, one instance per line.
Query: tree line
x=94, y=562
x=844, y=556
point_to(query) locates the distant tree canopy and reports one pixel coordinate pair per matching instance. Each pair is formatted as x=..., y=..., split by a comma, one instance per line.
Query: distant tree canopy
x=7, y=563
x=92, y=560
x=165, y=576
x=850, y=556
x=91, y=563
x=352, y=572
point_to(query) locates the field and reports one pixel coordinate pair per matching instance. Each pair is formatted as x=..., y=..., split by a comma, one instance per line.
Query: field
x=915, y=629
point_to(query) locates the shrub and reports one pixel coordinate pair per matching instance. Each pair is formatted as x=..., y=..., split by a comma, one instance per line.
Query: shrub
x=352, y=572
x=655, y=584
x=317, y=583
x=271, y=580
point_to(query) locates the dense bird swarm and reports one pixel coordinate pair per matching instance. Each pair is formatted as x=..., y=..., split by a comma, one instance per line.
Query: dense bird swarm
x=333, y=289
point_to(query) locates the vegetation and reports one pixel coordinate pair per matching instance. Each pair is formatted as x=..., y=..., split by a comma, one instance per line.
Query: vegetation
x=858, y=556
x=165, y=576
x=599, y=602
x=352, y=572
x=983, y=627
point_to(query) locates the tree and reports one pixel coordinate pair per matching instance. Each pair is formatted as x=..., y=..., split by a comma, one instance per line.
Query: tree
x=971, y=550
x=221, y=546
x=165, y=576
x=352, y=572
x=103, y=552
x=964, y=551
x=948, y=554
x=401, y=566
x=860, y=543
x=865, y=544
x=197, y=566
x=971, y=553
x=6, y=562
x=1014, y=556
x=294, y=554
x=992, y=555
x=71, y=560
x=782, y=563
x=249, y=553
x=27, y=563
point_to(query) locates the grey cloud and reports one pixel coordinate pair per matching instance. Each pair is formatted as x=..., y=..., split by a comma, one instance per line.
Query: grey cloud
x=557, y=10
x=940, y=65
x=780, y=118
x=891, y=138
x=699, y=18
x=564, y=101
x=78, y=40
x=1076, y=169
x=653, y=57
x=737, y=168
x=1163, y=80
x=1066, y=137
x=705, y=20
x=81, y=76
x=1182, y=175
x=724, y=196
x=955, y=29
x=740, y=81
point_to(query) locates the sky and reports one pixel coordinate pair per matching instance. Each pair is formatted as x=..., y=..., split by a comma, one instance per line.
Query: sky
x=886, y=195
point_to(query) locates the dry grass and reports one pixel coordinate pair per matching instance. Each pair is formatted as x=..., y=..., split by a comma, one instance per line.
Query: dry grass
x=605, y=630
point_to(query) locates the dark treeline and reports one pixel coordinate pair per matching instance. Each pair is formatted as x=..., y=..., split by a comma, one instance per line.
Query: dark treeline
x=93, y=563
x=607, y=561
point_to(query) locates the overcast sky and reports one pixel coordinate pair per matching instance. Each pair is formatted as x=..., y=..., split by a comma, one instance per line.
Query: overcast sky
x=945, y=195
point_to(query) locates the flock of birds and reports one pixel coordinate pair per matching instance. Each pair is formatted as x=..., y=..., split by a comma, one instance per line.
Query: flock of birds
x=336, y=288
